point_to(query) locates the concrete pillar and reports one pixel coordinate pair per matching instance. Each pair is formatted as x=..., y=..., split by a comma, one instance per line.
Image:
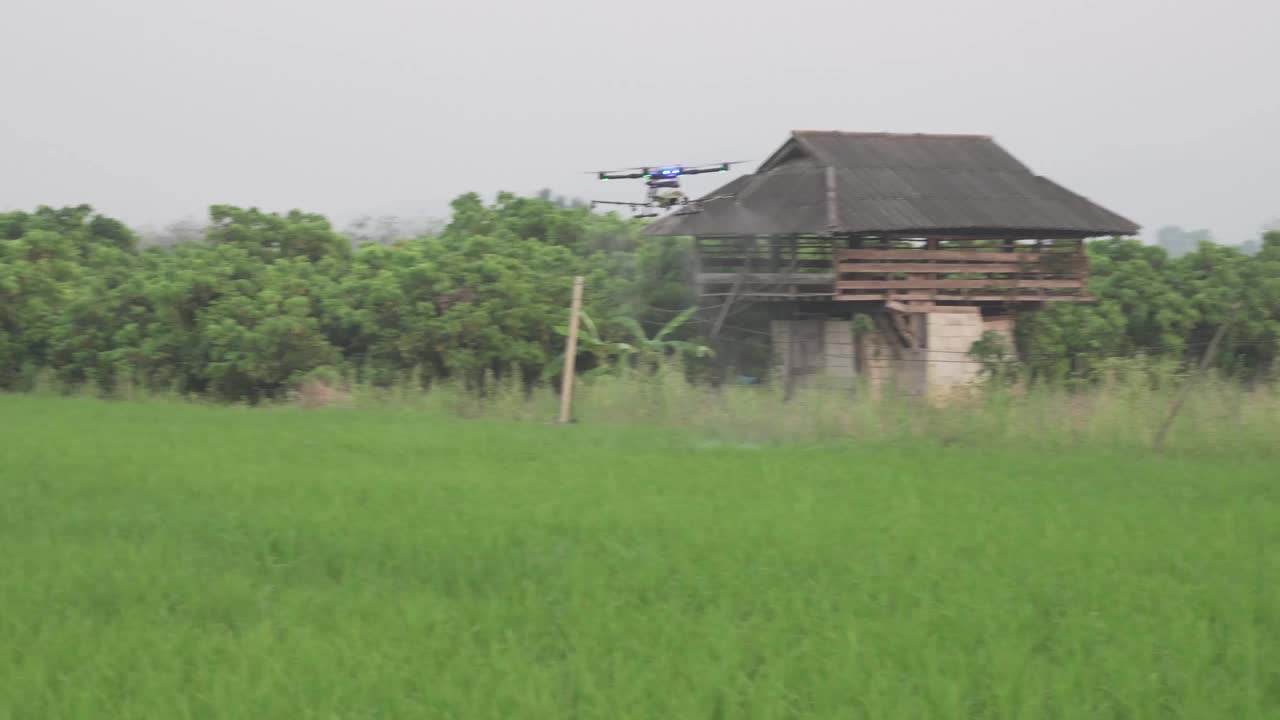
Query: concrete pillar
x=950, y=336
x=822, y=351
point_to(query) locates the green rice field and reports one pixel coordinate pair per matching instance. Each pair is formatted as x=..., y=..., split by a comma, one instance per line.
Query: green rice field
x=178, y=561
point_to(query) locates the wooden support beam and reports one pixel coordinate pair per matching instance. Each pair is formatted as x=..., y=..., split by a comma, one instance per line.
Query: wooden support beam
x=712, y=263
x=992, y=235
x=903, y=332
x=928, y=307
x=887, y=331
x=940, y=255
x=728, y=303
x=697, y=266
x=854, y=267
x=881, y=297
x=771, y=278
x=795, y=258
x=989, y=284
x=777, y=295
x=903, y=323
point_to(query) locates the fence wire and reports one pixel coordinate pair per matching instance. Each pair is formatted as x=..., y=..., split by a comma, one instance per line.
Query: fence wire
x=964, y=356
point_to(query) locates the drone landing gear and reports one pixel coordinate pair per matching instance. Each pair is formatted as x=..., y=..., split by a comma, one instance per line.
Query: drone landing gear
x=638, y=210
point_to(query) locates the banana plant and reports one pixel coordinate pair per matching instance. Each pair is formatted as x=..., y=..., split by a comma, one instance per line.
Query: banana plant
x=589, y=342
x=648, y=350
x=652, y=350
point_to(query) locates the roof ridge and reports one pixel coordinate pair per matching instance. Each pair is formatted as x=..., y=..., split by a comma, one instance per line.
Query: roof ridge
x=861, y=133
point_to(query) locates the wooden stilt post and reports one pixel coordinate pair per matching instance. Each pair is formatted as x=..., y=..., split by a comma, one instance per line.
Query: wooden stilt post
x=728, y=303
x=570, y=353
x=788, y=363
x=859, y=361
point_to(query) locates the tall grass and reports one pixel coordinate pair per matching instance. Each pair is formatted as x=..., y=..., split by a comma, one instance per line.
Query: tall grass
x=168, y=560
x=1121, y=412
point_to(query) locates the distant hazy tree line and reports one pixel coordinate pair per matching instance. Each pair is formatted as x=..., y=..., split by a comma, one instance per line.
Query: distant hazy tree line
x=1178, y=241
x=255, y=302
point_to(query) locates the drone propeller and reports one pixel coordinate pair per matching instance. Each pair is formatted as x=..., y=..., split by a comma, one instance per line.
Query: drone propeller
x=718, y=164
x=620, y=169
x=693, y=207
x=663, y=171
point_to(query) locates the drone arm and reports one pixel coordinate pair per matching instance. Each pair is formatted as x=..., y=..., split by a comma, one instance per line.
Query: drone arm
x=701, y=170
x=621, y=176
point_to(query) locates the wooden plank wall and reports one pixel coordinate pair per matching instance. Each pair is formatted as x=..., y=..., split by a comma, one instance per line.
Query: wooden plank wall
x=940, y=272
x=861, y=269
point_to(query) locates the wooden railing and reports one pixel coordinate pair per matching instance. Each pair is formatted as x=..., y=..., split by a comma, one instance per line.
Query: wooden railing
x=798, y=268
x=960, y=271
x=1029, y=274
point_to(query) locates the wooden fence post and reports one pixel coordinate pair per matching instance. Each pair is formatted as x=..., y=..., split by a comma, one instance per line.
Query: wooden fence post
x=570, y=353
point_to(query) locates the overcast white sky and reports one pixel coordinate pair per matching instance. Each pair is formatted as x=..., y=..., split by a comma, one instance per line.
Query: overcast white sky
x=151, y=110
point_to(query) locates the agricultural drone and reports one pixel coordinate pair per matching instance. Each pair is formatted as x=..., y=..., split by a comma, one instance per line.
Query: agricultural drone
x=663, y=183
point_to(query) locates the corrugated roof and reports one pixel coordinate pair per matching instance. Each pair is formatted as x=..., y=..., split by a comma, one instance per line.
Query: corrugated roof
x=893, y=183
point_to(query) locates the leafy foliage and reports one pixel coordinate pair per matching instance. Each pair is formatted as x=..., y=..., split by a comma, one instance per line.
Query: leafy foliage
x=650, y=351
x=263, y=300
x=1152, y=305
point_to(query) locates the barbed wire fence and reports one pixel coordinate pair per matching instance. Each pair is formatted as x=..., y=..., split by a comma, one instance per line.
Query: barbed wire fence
x=781, y=346
x=853, y=356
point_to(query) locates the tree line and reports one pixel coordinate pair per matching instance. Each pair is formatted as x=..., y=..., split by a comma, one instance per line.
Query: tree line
x=261, y=301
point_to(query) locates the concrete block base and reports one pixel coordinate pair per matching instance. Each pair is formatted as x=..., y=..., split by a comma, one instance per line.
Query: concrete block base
x=825, y=352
